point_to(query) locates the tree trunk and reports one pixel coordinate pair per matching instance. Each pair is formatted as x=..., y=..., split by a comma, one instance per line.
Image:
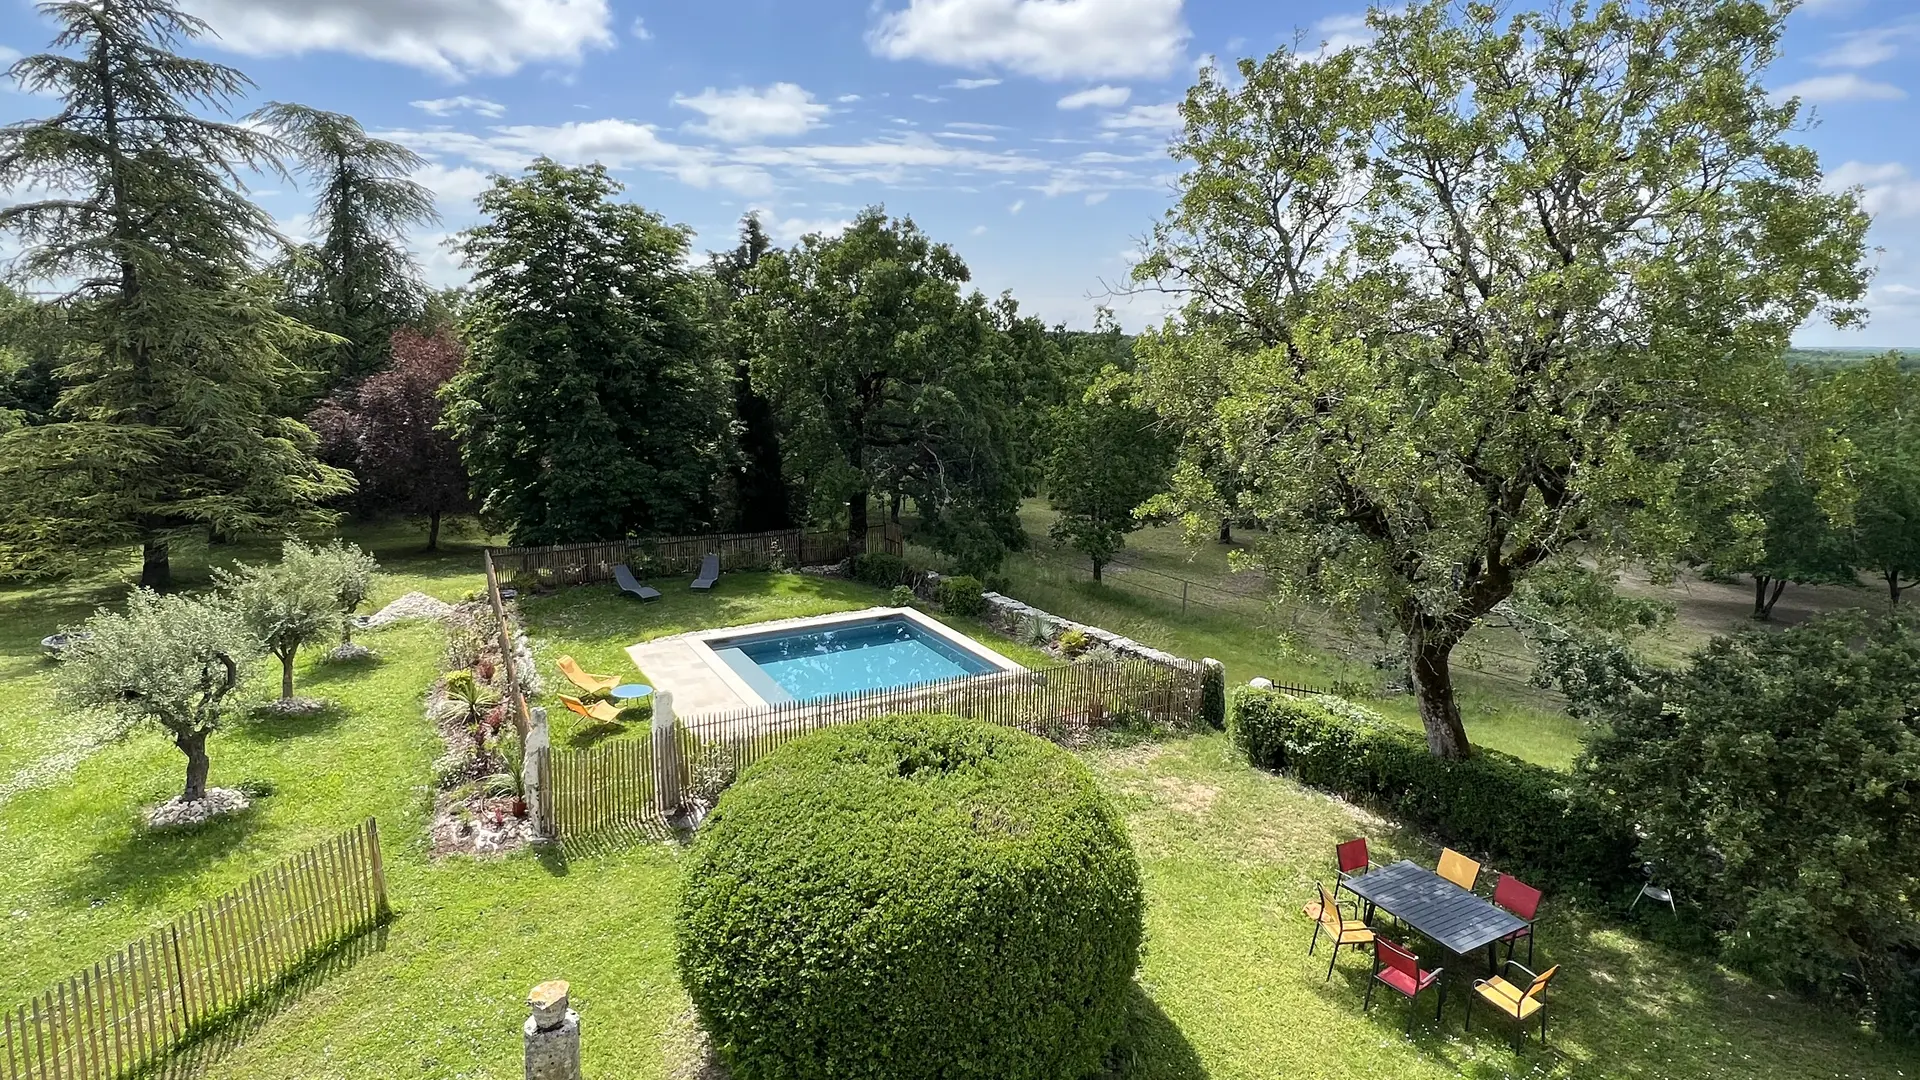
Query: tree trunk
x=433, y=530
x=1894, y=588
x=1226, y=530
x=1429, y=660
x=857, y=520
x=1766, y=593
x=893, y=511
x=1096, y=569
x=286, y=675
x=193, y=743
x=156, y=572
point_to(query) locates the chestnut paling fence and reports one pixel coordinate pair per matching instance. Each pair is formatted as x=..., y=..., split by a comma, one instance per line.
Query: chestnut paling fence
x=621, y=783
x=670, y=556
x=123, y=1014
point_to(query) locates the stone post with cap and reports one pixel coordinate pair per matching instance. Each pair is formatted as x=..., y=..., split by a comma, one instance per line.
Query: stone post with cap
x=552, y=1034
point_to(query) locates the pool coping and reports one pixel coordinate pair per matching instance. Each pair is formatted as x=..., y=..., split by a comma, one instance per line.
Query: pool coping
x=693, y=700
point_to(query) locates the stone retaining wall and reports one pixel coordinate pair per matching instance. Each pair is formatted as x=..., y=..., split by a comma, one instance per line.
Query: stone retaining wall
x=1011, y=616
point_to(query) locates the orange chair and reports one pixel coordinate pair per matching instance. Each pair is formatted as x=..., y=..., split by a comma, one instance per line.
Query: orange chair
x=1459, y=869
x=592, y=684
x=1511, y=1000
x=1342, y=930
x=599, y=712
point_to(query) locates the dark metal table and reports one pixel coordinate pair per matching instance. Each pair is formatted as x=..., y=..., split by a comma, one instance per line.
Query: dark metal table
x=1452, y=916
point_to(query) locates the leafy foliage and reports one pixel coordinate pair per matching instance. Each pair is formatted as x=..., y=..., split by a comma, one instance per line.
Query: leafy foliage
x=286, y=605
x=177, y=351
x=761, y=498
x=888, y=380
x=1774, y=778
x=388, y=430
x=1880, y=407
x=1533, y=821
x=468, y=702
x=349, y=572
x=961, y=595
x=358, y=282
x=169, y=660
x=1108, y=458
x=879, y=569
x=589, y=408
x=915, y=896
x=1484, y=292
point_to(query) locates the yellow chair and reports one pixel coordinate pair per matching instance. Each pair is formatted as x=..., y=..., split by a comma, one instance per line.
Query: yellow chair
x=1510, y=999
x=1459, y=869
x=1344, y=931
x=592, y=684
x=599, y=712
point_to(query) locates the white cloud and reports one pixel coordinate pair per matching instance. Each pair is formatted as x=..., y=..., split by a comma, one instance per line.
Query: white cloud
x=847, y=99
x=1827, y=7
x=970, y=84
x=968, y=125
x=745, y=114
x=967, y=136
x=1887, y=190
x=1096, y=198
x=1164, y=117
x=451, y=38
x=618, y=144
x=1098, y=97
x=979, y=230
x=1045, y=39
x=1018, y=205
x=1823, y=89
x=639, y=29
x=1338, y=33
x=886, y=162
x=8, y=54
x=458, y=185
x=788, y=230
x=1874, y=45
x=450, y=105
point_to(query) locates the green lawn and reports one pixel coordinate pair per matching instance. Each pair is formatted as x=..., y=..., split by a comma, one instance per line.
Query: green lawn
x=1229, y=855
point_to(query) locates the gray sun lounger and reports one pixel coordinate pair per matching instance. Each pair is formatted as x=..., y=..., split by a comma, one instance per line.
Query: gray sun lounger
x=624, y=577
x=709, y=573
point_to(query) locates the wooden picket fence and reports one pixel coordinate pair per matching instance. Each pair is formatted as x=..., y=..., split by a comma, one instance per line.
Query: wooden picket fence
x=671, y=556
x=617, y=783
x=123, y=1014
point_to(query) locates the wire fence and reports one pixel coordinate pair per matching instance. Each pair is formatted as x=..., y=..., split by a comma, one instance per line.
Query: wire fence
x=1320, y=627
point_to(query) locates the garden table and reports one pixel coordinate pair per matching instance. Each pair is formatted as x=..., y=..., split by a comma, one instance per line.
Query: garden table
x=628, y=693
x=1450, y=915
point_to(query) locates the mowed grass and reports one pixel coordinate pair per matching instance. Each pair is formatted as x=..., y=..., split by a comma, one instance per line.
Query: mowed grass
x=1229, y=854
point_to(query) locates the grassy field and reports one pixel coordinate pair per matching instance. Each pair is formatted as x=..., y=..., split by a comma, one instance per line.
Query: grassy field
x=1229, y=854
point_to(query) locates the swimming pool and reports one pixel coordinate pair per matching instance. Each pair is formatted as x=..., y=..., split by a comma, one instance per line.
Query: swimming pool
x=877, y=652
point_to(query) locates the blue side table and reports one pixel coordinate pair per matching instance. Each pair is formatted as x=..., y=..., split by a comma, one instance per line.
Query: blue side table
x=630, y=693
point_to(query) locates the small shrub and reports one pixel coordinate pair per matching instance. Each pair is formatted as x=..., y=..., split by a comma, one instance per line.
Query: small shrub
x=1213, y=695
x=962, y=596
x=914, y=896
x=901, y=596
x=1035, y=631
x=879, y=569
x=1532, y=821
x=256, y=788
x=1074, y=642
x=712, y=772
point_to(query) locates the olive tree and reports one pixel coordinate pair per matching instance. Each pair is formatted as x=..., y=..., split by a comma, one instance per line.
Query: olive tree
x=1486, y=294
x=286, y=605
x=350, y=572
x=170, y=661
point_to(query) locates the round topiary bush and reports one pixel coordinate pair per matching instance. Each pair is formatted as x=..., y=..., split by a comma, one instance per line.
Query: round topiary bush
x=912, y=897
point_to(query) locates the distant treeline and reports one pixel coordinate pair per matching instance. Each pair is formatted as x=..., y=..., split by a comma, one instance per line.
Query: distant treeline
x=1906, y=359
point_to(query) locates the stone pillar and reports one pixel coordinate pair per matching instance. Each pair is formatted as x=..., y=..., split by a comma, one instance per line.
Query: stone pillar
x=552, y=1034
x=539, y=738
x=668, y=776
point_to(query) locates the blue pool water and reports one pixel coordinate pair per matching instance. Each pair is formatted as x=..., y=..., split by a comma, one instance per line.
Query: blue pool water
x=844, y=658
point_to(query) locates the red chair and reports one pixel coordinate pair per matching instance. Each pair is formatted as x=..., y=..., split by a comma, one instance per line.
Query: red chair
x=1522, y=900
x=1352, y=860
x=1400, y=969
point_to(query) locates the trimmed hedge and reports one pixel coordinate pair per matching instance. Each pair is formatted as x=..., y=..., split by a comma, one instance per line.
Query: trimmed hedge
x=912, y=897
x=1213, y=694
x=1528, y=820
x=962, y=596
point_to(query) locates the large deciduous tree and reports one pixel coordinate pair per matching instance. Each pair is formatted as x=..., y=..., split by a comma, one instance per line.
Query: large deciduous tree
x=388, y=431
x=1880, y=406
x=1476, y=297
x=357, y=281
x=1109, y=456
x=888, y=379
x=176, y=350
x=591, y=407
x=172, y=661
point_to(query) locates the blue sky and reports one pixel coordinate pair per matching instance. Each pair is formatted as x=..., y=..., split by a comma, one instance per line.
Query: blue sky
x=1029, y=134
